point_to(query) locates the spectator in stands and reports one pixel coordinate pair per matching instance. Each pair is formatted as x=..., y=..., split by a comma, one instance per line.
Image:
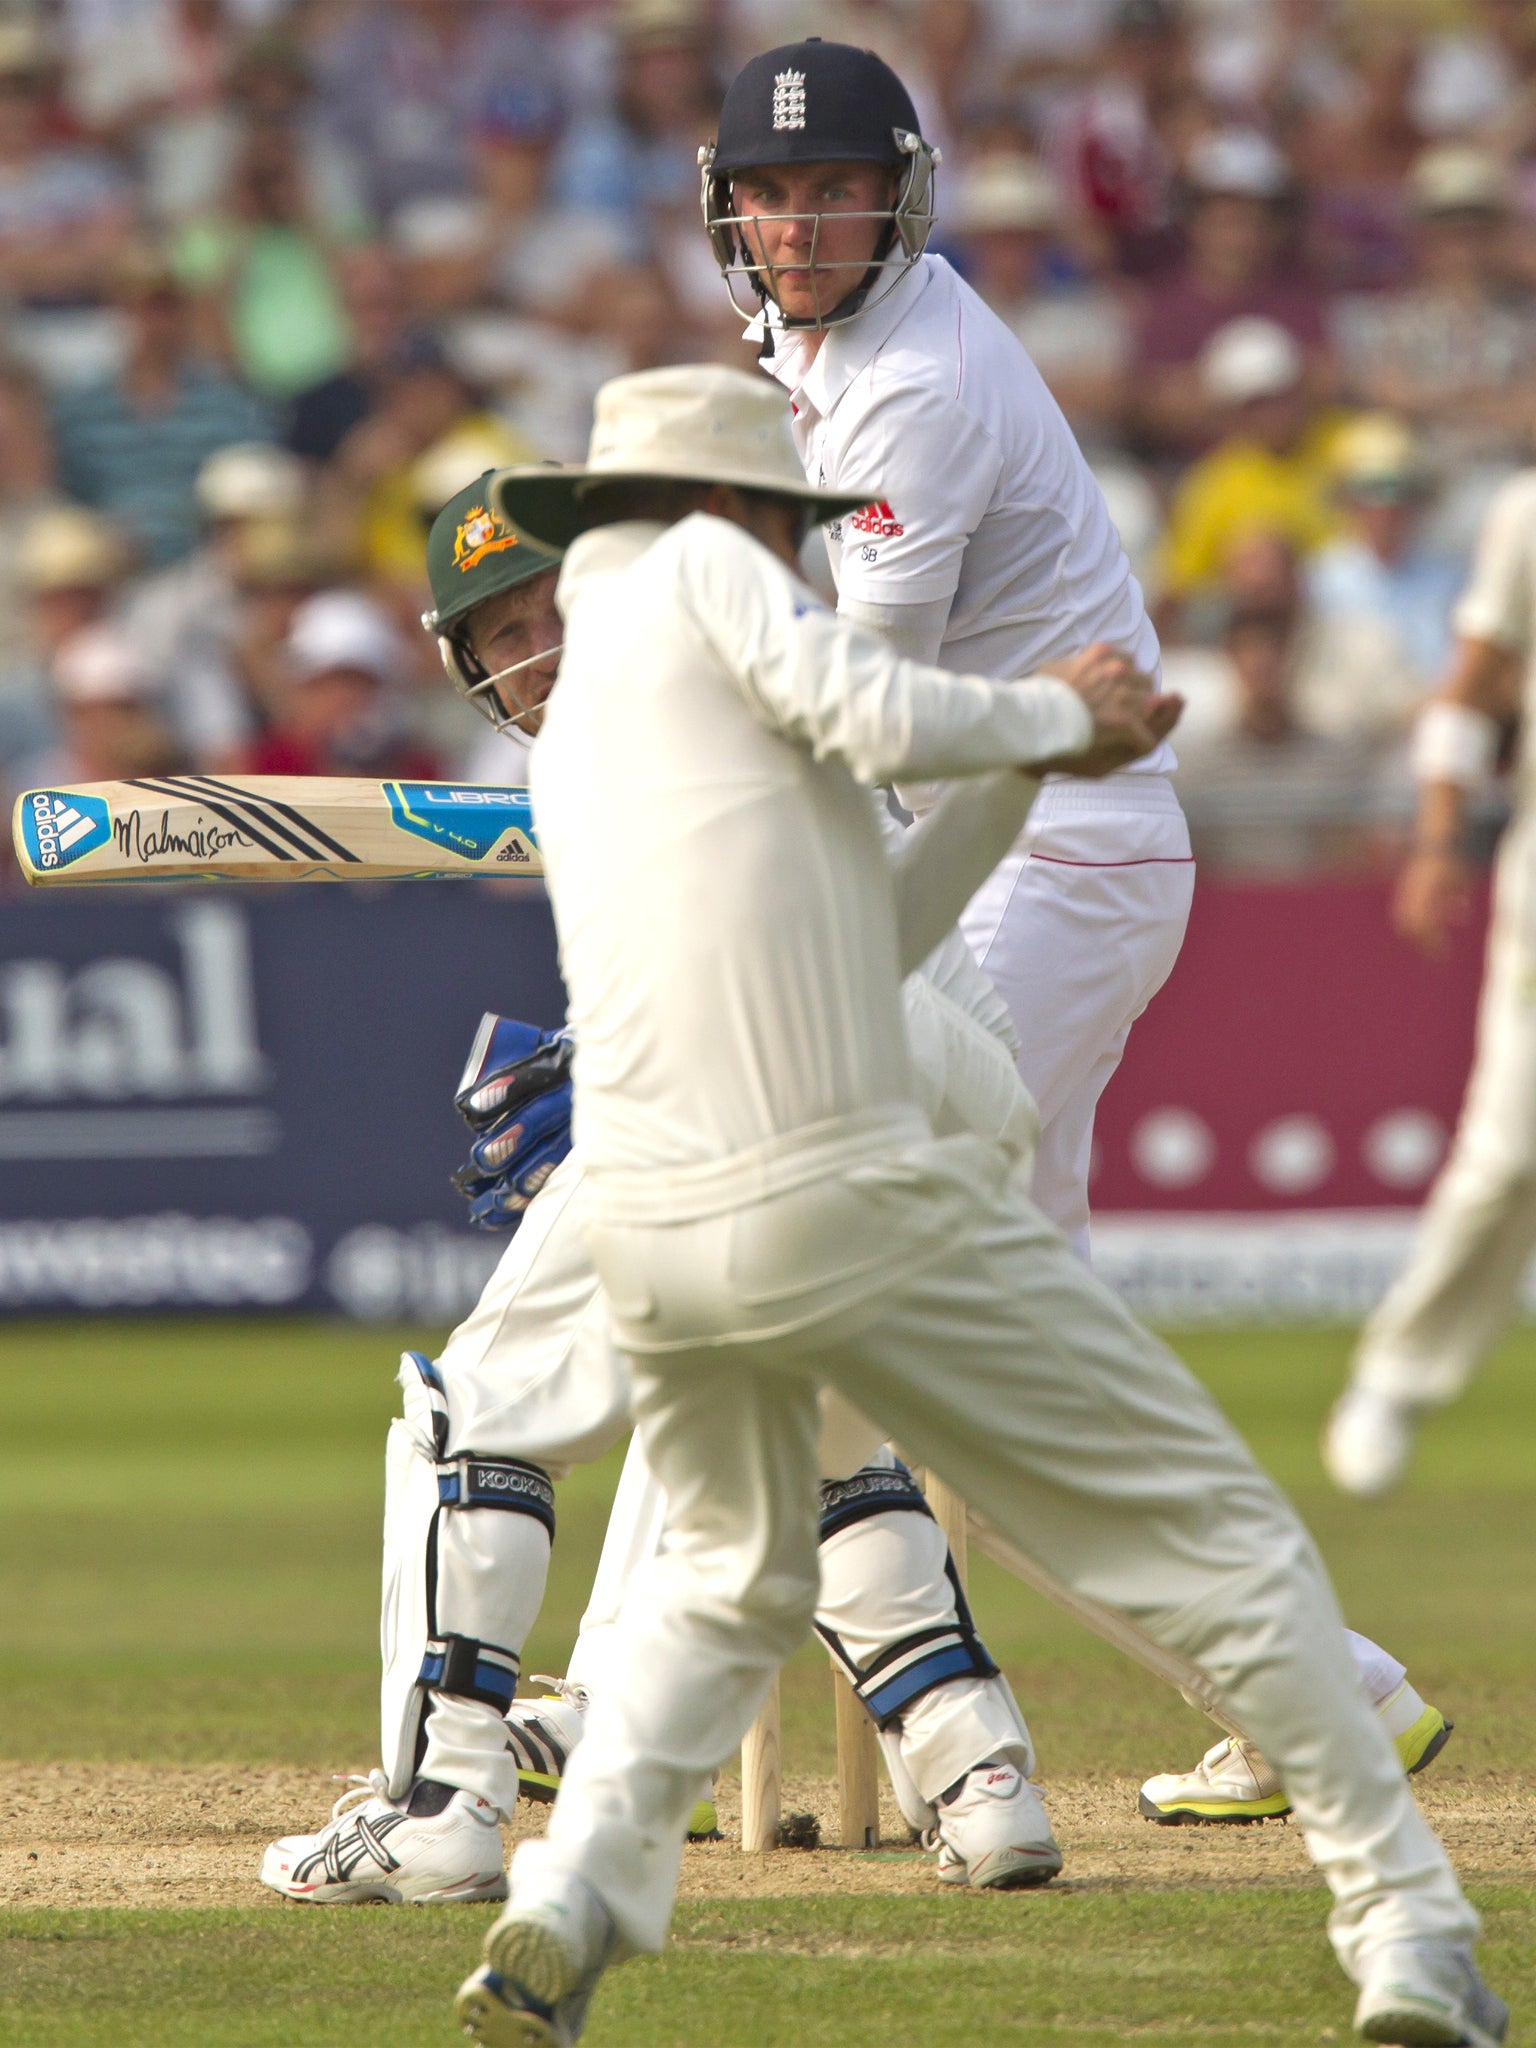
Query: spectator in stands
x=1266, y=792
x=185, y=623
x=70, y=569
x=1454, y=351
x=1355, y=156
x=368, y=488
x=108, y=726
x=1007, y=218
x=1239, y=265
x=402, y=85
x=64, y=210
x=344, y=711
x=263, y=272
x=1476, y=72
x=1270, y=470
x=132, y=444
x=543, y=254
x=277, y=565
x=638, y=158
x=155, y=74
x=26, y=483
x=1105, y=145
x=375, y=308
x=1381, y=567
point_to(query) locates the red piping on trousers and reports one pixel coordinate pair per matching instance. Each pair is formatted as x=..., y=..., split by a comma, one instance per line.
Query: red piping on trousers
x=1153, y=860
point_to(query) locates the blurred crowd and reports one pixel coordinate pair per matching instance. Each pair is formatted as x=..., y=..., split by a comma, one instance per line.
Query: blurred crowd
x=278, y=277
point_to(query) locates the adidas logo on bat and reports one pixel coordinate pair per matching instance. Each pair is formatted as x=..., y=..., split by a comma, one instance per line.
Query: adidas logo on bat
x=515, y=850
x=59, y=830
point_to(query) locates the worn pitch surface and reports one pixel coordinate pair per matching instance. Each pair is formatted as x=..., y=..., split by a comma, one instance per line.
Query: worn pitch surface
x=189, y=1526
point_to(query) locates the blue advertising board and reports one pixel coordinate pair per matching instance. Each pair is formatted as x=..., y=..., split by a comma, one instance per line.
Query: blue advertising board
x=217, y=1099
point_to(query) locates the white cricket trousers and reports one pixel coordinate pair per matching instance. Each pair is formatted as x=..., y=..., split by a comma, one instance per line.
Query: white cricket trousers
x=1478, y=1229
x=936, y=1299
x=1077, y=929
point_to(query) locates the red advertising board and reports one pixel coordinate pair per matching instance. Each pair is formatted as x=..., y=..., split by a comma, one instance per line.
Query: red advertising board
x=1301, y=1057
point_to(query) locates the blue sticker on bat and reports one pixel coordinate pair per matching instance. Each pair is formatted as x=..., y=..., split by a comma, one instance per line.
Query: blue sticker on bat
x=59, y=828
x=466, y=818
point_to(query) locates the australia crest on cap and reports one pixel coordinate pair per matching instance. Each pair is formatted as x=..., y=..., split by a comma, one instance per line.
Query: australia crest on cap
x=480, y=533
x=788, y=100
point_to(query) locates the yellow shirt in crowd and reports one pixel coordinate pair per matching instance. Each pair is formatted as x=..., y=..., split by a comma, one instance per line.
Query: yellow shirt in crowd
x=1241, y=488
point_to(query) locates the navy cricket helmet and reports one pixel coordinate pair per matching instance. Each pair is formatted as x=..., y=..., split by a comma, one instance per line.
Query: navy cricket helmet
x=808, y=103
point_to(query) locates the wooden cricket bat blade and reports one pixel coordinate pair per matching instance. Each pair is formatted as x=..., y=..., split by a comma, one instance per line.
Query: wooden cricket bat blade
x=271, y=828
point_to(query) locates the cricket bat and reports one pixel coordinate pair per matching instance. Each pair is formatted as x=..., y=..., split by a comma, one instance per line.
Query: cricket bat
x=271, y=828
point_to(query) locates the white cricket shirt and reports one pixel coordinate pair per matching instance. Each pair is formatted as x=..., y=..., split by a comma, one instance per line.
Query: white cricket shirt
x=982, y=495
x=1499, y=602
x=723, y=899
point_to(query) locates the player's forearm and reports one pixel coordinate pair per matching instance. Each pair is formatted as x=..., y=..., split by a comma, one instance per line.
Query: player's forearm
x=1440, y=817
x=943, y=861
x=917, y=723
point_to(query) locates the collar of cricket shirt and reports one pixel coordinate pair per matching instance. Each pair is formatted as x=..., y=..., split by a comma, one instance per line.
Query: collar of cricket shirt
x=850, y=346
x=602, y=551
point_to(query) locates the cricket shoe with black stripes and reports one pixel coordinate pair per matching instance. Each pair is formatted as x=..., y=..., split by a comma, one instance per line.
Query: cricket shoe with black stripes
x=431, y=1848
x=541, y=1733
x=992, y=1832
x=1428, y=1994
x=1233, y=1783
x=543, y=1961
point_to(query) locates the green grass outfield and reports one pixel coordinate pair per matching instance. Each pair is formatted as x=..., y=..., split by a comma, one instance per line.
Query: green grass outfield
x=188, y=1574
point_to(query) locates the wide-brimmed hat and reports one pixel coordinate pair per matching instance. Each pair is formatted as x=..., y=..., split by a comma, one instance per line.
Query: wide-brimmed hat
x=1005, y=193
x=1250, y=358
x=1457, y=177
x=1378, y=459
x=69, y=547
x=693, y=423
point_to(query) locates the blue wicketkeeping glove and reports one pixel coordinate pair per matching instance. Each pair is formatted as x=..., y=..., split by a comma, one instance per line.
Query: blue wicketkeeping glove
x=515, y=1095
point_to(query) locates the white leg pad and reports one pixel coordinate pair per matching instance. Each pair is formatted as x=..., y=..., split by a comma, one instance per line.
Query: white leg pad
x=466, y=1557
x=890, y=1610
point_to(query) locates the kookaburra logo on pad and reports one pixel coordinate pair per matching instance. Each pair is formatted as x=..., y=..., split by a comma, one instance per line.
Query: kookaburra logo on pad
x=789, y=99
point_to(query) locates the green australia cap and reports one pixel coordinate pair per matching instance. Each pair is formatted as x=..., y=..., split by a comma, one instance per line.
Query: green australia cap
x=473, y=553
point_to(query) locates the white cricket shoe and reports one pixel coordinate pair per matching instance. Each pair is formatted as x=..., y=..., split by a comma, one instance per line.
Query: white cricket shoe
x=543, y=1961
x=992, y=1831
x=1234, y=1783
x=541, y=1733
x=377, y=1851
x=1428, y=1994
x=1367, y=1442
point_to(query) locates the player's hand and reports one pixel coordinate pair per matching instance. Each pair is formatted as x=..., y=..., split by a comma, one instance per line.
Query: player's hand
x=1434, y=893
x=513, y=1157
x=515, y=1095
x=1129, y=719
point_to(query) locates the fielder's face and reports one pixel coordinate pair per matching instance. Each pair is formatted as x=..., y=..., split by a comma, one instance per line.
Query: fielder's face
x=520, y=631
x=814, y=229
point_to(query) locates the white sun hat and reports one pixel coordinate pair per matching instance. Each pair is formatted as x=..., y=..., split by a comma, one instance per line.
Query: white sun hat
x=1250, y=358
x=342, y=629
x=690, y=423
x=251, y=480
x=1003, y=192
x=1238, y=163
x=96, y=666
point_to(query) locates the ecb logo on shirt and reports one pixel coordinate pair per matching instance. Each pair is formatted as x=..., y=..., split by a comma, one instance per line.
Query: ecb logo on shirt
x=58, y=830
